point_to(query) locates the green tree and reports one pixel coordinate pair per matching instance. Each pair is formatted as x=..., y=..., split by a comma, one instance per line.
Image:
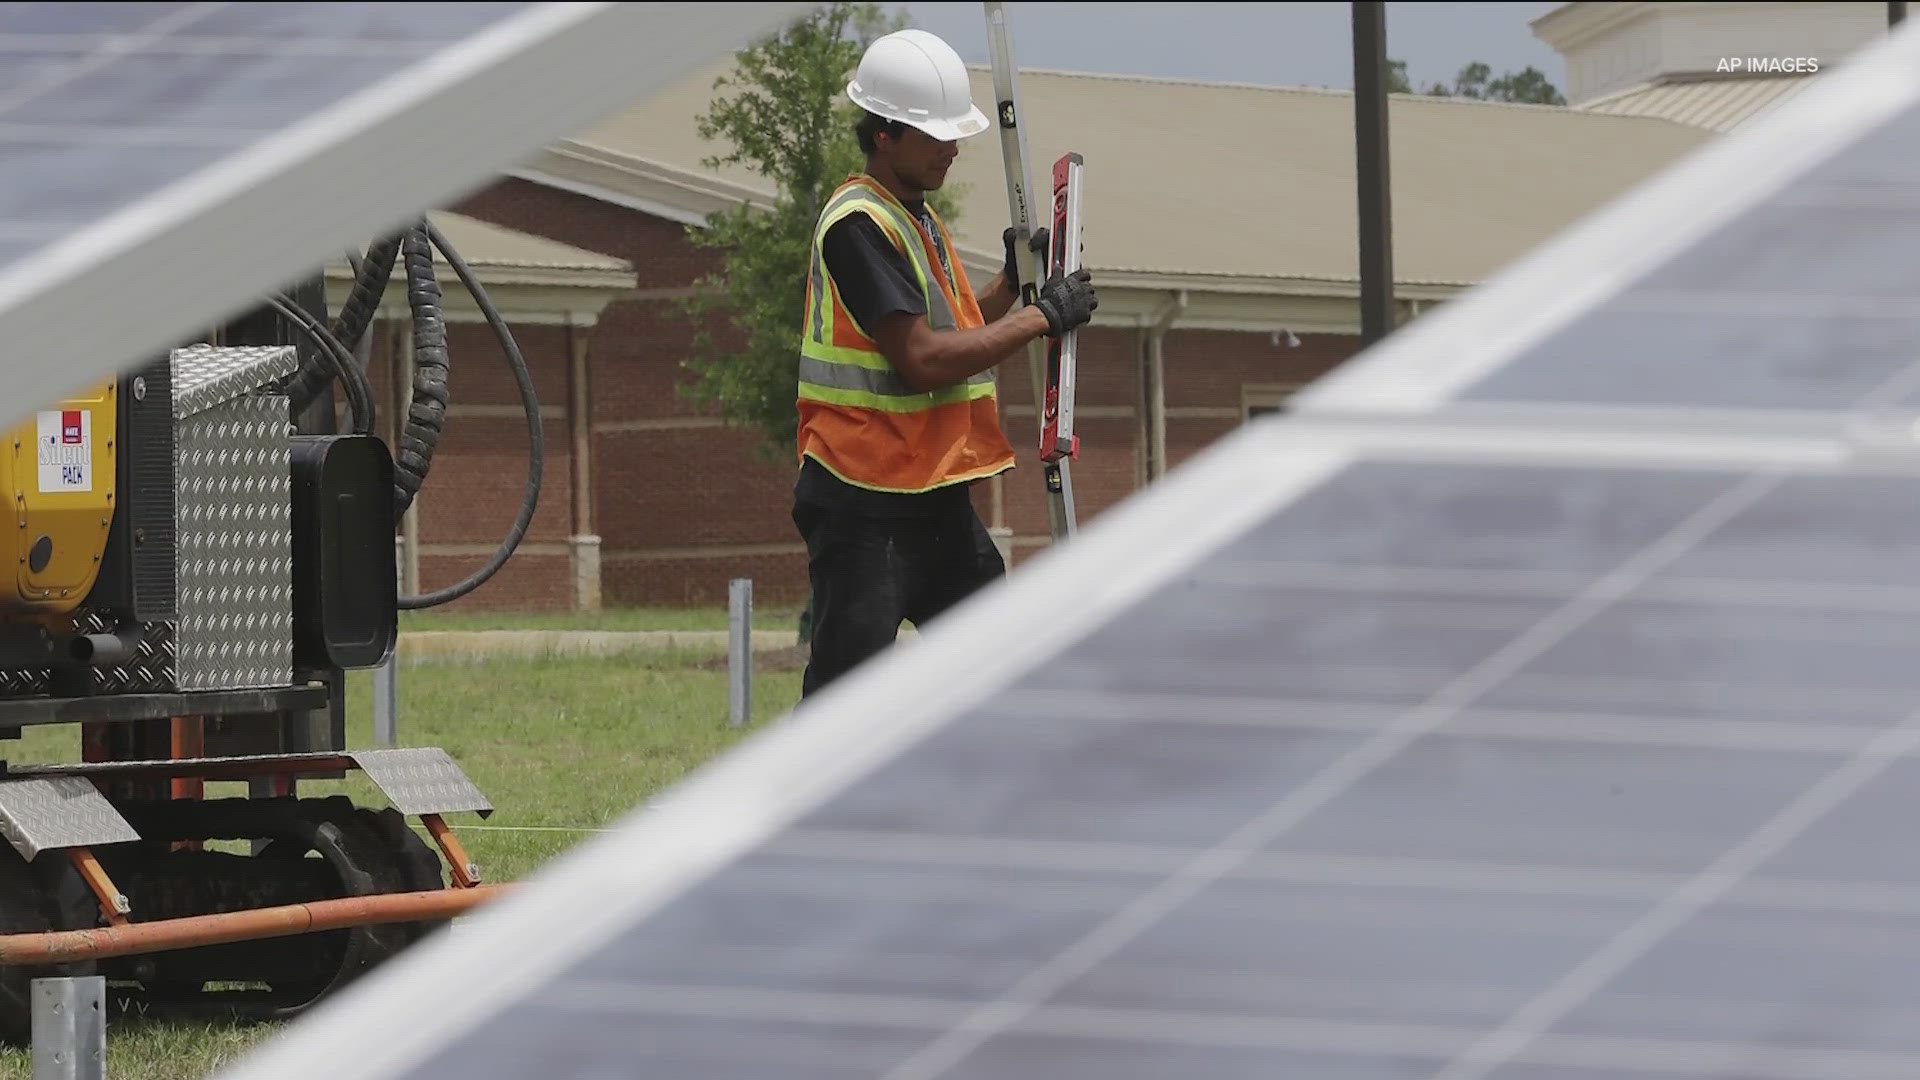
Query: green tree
x=783, y=113
x=1472, y=81
x=1529, y=86
x=1397, y=78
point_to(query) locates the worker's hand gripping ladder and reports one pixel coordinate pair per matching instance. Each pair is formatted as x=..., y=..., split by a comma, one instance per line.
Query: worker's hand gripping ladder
x=1052, y=377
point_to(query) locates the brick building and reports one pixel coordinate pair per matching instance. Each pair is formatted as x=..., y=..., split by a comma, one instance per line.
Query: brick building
x=1221, y=225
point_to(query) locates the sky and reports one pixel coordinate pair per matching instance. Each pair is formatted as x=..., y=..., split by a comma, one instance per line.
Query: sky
x=1304, y=44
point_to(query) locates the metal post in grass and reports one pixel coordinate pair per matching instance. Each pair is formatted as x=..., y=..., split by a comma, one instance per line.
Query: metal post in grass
x=70, y=1028
x=739, y=650
x=386, y=702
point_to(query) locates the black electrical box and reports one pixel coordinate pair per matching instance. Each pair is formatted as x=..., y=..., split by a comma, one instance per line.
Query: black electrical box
x=345, y=591
x=136, y=581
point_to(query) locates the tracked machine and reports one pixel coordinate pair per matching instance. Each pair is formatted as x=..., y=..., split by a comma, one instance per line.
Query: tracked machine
x=194, y=560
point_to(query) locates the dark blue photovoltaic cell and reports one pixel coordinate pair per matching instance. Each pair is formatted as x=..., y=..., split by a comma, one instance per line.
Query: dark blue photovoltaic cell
x=291, y=22
x=586, y=1034
x=1779, y=357
x=65, y=17
x=1349, y=953
x=1847, y=533
x=190, y=94
x=936, y=932
x=1071, y=1058
x=1791, y=649
x=1575, y=521
x=1166, y=788
x=1803, y=303
x=65, y=184
x=1867, y=840
x=1806, y=980
x=19, y=70
x=1129, y=782
x=104, y=104
x=382, y=23
x=1555, y=803
x=1358, y=645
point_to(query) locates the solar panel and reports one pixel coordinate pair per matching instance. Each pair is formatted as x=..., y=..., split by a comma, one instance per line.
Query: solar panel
x=171, y=162
x=1460, y=726
x=1736, y=321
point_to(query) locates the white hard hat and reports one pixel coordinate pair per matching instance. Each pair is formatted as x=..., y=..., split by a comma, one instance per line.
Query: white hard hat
x=915, y=78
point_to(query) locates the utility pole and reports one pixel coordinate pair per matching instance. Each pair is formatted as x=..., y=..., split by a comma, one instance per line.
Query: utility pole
x=1371, y=171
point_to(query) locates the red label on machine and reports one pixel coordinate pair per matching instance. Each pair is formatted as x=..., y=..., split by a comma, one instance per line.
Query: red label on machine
x=65, y=442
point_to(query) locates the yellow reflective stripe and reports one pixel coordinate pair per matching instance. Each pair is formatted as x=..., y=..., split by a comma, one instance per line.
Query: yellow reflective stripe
x=816, y=314
x=919, y=403
x=847, y=202
x=815, y=371
x=844, y=354
x=905, y=234
x=834, y=376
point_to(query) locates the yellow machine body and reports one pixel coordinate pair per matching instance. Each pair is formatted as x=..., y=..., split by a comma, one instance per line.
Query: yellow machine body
x=57, y=470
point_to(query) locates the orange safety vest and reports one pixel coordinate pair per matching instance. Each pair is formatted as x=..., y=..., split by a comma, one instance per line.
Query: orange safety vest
x=858, y=418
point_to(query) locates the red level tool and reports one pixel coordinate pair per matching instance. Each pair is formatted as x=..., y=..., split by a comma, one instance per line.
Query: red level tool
x=1057, y=439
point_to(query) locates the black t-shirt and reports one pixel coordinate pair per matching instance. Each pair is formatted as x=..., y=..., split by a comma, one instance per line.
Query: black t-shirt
x=873, y=277
x=875, y=280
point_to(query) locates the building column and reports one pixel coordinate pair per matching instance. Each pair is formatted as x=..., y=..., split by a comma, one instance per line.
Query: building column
x=400, y=351
x=1154, y=381
x=1142, y=406
x=583, y=544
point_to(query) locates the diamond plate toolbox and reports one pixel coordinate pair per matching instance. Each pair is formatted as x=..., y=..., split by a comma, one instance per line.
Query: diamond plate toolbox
x=235, y=518
x=209, y=375
x=150, y=671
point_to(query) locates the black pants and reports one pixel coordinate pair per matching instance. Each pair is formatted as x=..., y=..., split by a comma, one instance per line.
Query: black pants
x=869, y=571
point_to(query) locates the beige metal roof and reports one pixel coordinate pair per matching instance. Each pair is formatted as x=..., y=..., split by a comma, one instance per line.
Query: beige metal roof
x=1715, y=102
x=1232, y=181
x=499, y=253
x=483, y=243
x=533, y=277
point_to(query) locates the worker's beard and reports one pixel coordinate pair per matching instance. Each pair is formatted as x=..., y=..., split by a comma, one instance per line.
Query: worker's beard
x=932, y=178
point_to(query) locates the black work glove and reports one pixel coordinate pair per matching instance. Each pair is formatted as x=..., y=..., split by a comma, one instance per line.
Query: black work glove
x=1067, y=302
x=1012, y=270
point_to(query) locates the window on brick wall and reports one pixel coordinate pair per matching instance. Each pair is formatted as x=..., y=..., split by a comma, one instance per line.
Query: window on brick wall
x=1262, y=399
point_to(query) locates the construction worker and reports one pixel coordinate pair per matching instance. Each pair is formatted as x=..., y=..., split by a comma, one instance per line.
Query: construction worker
x=897, y=410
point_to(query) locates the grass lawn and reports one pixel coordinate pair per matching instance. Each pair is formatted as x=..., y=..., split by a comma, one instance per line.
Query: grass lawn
x=557, y=744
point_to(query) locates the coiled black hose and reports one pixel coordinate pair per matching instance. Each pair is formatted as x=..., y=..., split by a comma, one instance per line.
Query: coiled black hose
x=339, y=360
x=529, y=404
x=427, y=410
x=355, y=318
